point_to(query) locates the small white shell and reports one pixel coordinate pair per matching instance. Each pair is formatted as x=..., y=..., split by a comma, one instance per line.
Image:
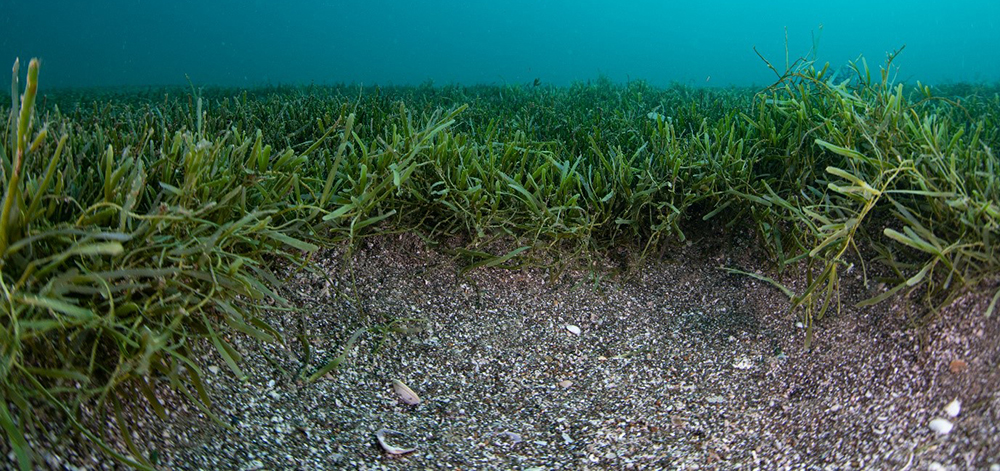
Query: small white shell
x=565, y=383
x=389, y=448
x=405, y=393
x=954, y=408
x=941, y=426
x=573, y=329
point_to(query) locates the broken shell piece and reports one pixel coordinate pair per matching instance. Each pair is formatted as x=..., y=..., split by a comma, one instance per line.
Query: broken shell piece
x=405, y=393
x=954, y=408
x=514, y=437
x=574, y=329
x=565, y=383
x=941, y=426
x=389, y=448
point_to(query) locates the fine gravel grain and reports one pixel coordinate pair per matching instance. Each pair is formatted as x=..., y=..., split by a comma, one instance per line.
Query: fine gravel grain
x=677, y=365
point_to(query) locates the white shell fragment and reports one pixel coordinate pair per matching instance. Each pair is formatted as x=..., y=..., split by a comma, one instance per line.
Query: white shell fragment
x=941, y=426
x=573, y=329
x=744, y=363
x=565, y=383
x=389, y=448
x=515, y=438
x=954, y=408
x=715, y=400
x=405, y=393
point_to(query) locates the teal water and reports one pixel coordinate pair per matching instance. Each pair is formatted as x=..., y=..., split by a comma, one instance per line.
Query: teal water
x=704, y=43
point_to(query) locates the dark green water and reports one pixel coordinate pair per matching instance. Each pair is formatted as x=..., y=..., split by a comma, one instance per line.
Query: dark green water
x=254, y=42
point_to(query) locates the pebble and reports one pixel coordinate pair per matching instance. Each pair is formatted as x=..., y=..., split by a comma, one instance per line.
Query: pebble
x=565, y=384
x=954, y=408
x=213, y=369
x=715, y=400
x=941, y=426
x=573, y=329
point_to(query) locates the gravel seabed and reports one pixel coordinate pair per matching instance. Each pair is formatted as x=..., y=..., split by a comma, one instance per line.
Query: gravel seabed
x=678, y=366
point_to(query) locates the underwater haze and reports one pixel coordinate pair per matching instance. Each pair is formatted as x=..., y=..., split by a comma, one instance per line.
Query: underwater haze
x=705, y=43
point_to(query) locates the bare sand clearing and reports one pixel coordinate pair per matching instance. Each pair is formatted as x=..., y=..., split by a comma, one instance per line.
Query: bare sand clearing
x=679, y=365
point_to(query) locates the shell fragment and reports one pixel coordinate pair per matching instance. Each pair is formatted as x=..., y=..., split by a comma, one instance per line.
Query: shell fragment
x=405, y=393
x=573, y=329
x=388, y=447
x=515, y=438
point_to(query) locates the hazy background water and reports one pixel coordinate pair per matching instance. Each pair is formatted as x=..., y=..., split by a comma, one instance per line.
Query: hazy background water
x=255, y=42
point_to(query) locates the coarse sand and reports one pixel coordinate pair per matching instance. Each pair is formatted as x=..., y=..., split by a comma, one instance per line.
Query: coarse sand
x=672, y=364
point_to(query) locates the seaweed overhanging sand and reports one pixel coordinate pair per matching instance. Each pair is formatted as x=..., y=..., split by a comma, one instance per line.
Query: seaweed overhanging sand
x=137, y=232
